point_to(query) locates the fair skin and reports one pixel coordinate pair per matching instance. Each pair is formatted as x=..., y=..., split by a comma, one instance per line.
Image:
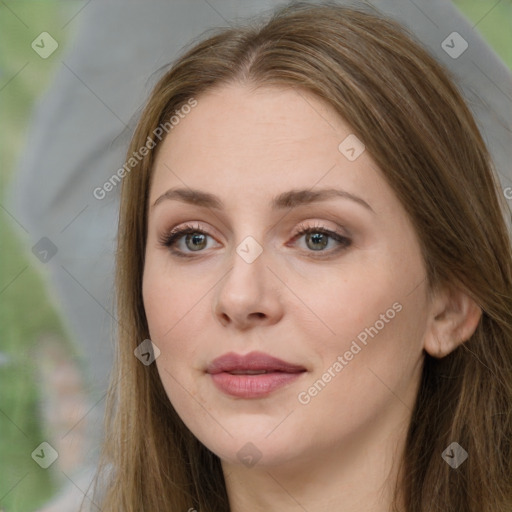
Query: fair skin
x=338, y=451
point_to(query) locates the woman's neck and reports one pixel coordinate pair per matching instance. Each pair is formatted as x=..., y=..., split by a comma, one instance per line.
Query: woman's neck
x=358, y=475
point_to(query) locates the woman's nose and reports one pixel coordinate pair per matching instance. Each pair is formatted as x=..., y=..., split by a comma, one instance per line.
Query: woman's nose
x=249, y=294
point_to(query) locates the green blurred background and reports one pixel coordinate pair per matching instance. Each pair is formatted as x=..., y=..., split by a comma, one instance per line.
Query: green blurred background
x=26, y=311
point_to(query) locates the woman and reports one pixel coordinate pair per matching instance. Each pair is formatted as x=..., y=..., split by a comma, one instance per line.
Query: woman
x=313, y=239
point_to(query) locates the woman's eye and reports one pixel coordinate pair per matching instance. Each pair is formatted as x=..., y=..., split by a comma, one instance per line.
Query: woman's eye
x=189, y=239
x=317, y=239
x=186, y=239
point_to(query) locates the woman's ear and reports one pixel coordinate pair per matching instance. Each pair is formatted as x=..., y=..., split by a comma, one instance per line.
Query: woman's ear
x=454, y=317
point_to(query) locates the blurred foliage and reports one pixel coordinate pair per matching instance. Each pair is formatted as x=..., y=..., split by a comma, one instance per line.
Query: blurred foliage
x=493, y=19
x=26, y=309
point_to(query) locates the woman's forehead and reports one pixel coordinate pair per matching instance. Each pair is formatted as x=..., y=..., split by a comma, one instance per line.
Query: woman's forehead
x=233, y=135
x=237, y=114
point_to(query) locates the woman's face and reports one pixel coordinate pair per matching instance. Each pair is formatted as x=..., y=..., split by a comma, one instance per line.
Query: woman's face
x=344, y=304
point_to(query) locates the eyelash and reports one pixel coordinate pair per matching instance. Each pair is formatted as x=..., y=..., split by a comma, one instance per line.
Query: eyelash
x=170, y=239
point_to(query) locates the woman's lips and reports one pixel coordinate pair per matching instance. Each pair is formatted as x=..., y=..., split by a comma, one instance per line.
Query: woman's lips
x=252, y=375
x=252, y=386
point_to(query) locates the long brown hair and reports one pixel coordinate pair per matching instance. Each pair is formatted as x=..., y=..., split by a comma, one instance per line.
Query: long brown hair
x=414, y=122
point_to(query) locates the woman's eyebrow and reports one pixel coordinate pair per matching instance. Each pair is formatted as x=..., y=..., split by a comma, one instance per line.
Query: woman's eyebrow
x=289, y=199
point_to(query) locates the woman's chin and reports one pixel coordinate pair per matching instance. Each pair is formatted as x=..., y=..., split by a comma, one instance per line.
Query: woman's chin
x=255, y=451
x=255, y=456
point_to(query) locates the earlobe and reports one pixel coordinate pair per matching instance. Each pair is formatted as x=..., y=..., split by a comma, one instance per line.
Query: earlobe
x=453, y=320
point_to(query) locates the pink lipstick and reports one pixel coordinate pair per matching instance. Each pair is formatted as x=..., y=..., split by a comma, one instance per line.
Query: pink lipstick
x=253, y=375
